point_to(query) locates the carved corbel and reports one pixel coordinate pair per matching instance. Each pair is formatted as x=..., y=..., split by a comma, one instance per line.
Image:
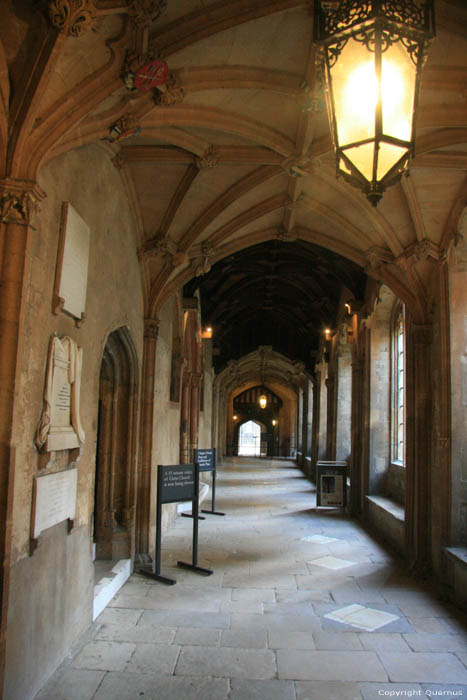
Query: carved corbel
x=377, y=257
x=19, y=201
x=202, y=262
x=72, y=17
x=172, y=94
x=422, y=251
x=161, y=245
x=209, y=159
x=151, y=328
x=123, y=128
x=286, y=236
x=144, y=12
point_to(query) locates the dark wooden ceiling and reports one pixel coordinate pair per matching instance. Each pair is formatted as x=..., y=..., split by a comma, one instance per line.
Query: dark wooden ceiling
x=275, y=293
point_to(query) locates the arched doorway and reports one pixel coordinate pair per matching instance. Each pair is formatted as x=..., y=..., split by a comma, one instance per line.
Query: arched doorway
x=114, y=490
x=249, y=439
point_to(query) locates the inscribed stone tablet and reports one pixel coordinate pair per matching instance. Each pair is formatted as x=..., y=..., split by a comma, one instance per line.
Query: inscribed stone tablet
x=73, y=275
x=55, y=499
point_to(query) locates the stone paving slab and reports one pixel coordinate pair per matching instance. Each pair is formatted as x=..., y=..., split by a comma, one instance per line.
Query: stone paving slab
x=129, y=686
x=327, y=690
x=153, y=658
x=135, y=633
x=436, y=642
x=246, y=639
x=423, y=667
x=120, y=616
x=330, y=665
x=383, y=642
x=197, y=636
x=256, y=664
x=72, y=684
x=104, y=656
x=261, y=690
x=177, y=618
x=290, y=640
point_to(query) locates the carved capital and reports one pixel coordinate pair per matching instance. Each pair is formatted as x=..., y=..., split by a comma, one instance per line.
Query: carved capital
x=19, y=201
x=151, y=328
x=72, y=17
x=422, y=251
x=173, y=94
x=119, y=161
x=144, y=12
x=209, y=159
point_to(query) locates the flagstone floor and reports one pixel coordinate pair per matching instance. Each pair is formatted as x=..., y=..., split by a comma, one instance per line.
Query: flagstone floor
x=301, y=606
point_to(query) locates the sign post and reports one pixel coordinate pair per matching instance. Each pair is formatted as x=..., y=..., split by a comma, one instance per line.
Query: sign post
x=195, y=510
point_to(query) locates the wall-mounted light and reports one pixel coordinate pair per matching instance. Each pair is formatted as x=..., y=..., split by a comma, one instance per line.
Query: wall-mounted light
x=349, y=308
x=207, y=332
x=274, y=422
x=327, y=333
x=263, y=401
x=235, y=417
x=373, y=54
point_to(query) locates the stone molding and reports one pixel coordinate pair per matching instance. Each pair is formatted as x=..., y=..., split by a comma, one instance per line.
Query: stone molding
x=19, y=200
x=160, y=245
x=286, y=236
x=377, y=257
x=297, y=166
x=151, y=328
x=72, y=17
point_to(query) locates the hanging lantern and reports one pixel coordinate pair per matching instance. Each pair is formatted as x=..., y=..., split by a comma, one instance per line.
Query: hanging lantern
x=373, y=53
x=263, y=401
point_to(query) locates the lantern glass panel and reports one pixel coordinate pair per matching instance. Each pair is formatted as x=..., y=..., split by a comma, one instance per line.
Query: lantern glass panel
x=354, y=90
x=398, y=74
x=362, y=158
x=387, y=157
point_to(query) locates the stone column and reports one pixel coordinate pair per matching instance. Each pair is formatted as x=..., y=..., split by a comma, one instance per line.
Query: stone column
x=418, y=423
x=151, y=330
x=18, y=201
x=356, y=454
x=323, y=412
x=194, y=412
x=185, y=419
x=305, y=426
x=330, y=384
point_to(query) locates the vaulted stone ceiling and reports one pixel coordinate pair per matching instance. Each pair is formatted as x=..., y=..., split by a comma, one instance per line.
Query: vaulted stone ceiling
x=277, y=293
x=212, y=170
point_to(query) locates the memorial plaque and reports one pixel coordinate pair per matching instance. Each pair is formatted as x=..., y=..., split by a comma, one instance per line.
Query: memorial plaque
x=54, y=499
x=205, y=459
x=60, y=426
x=176, y=482
x=71, y=277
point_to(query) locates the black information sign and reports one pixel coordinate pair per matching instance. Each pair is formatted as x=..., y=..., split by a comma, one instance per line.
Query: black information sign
x=176, y=482
x=207, y=463
x=331, y=484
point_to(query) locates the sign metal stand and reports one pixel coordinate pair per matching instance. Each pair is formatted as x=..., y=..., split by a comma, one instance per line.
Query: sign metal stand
x=207, y=463
x=175, y=483
x=195, y=510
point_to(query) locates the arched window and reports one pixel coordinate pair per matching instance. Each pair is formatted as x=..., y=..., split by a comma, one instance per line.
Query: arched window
x=398, y=385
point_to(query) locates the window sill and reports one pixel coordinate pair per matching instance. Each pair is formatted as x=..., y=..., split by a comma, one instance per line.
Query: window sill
x=398, y=465
x=391, y=507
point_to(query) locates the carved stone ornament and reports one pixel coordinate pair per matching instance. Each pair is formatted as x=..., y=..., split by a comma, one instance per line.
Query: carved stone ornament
x=151, y=328
x=160, y=245
x=18, y=203
x=119, y=161
x=297, y=166
x=73, y=17
x=286, y=236
x=145, y=12
x=60, y=424
x=422, y=251
x=123, y=128
x=143, y=72
x=376, y=257
x=209, y=159
x=173, y=93
x=202, y=263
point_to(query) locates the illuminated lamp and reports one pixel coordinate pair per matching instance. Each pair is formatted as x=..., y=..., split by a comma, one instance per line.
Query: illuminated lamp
x=372, y=56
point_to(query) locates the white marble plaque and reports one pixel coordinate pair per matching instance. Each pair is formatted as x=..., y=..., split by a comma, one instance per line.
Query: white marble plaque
x=72, y=264
x=55, y=499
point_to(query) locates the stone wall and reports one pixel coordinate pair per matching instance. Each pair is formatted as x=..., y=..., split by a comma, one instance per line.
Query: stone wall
x=51, y=591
